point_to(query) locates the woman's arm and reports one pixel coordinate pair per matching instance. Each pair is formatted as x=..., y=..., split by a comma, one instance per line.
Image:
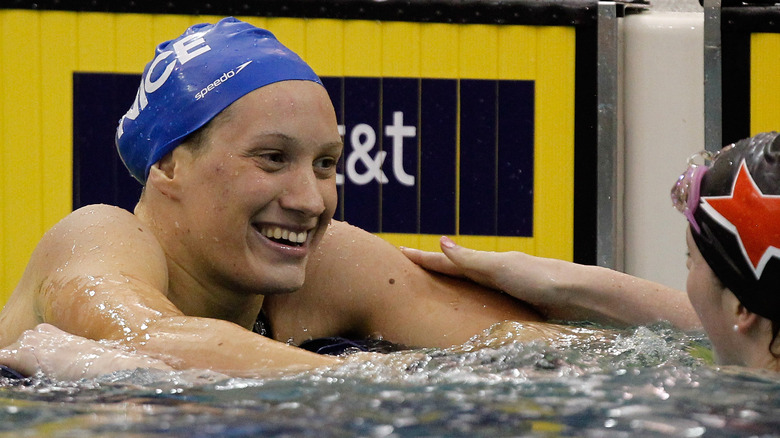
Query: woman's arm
x=564, y=290
x=60, y=355
x=100, y=274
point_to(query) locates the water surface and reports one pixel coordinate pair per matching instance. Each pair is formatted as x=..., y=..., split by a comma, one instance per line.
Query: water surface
x=646, y=381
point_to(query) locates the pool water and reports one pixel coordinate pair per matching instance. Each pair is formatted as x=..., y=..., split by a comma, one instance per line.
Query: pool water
x=646, y=381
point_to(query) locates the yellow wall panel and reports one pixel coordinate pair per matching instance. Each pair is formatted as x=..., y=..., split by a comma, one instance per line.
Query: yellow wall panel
x=4, y=272
x=401, y=49
x=134, y=43
x=164, y=28
x=59, y=57
x=517, y=52
x=21, y=139
x=764, y=84
x=96, y=39
x=363, y=48
x=478, y=46
x=554, y=161
x=48, y=47
x=439, y=50
x=290, y=31
x=325, y=47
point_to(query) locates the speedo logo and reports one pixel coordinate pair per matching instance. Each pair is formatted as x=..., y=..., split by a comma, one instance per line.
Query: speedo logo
x=221, y=80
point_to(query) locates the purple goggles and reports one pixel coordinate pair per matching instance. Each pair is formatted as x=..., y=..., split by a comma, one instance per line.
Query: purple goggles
x=686, y=190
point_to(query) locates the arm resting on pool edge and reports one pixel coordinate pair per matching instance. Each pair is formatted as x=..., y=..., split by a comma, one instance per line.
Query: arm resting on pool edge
x=62, y=356
x=564, y=290
x=86, y=277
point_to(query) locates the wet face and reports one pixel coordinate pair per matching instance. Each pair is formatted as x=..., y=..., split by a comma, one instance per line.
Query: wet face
x=258, y=194
x=709, y=298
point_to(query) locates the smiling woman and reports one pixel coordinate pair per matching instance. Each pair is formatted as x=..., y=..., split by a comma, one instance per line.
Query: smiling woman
x=241, y=211
x=189, y=269
x=269, y=166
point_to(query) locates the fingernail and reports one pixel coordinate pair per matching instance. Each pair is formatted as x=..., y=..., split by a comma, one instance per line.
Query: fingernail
x=447, y=242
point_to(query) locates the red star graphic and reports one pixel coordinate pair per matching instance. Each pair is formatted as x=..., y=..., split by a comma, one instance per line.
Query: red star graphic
x=754, y=218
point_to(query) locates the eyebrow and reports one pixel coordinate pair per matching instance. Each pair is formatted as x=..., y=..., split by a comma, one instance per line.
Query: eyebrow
x=292, y=140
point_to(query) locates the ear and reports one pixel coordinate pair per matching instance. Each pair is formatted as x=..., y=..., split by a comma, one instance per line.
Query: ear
x=745, y=319
x=162, y=175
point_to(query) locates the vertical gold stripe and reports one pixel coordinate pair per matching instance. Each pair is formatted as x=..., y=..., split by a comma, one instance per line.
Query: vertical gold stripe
x=290, y=31
x=21, y=155
x=764, y=84
x=134, y=43
x=401, y=49
x=363, y=48
x=59, y=58
x=96, y=42
x=554, y=162
x=478, y=47
x=517, y=52
x=439, y=51
x=325, y=47
x=6, y=42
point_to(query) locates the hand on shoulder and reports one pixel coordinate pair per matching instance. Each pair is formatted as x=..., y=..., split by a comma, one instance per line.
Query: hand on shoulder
x=528, y=278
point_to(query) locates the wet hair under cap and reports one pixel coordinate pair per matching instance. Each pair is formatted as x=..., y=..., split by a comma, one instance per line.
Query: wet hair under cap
x=192, y=79
x=728, y=247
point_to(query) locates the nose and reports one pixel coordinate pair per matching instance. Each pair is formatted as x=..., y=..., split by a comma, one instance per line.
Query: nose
x=304, y=193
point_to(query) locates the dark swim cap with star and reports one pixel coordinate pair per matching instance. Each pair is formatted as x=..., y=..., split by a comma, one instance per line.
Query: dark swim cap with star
x=192, y=79
x=739, y=221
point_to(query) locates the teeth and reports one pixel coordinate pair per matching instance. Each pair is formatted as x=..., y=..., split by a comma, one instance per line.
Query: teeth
x=280, y=234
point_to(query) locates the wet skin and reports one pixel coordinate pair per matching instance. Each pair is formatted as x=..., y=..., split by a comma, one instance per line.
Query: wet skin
x=184, y=277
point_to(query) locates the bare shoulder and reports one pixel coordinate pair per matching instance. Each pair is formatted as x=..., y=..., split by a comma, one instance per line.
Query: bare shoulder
x=358, y=284
x=96, y=237
x=92, y=247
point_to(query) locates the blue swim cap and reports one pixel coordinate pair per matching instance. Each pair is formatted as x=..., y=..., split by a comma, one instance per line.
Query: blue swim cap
x=192, y=79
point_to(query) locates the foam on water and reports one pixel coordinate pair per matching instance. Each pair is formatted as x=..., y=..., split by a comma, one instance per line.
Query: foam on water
x=648, y=381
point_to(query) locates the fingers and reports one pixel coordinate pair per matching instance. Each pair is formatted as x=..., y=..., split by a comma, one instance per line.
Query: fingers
x=19, y=358
x=479, y=266
x=432, y=261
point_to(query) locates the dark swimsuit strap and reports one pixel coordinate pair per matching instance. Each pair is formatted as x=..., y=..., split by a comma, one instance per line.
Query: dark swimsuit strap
x=263, y=325
x=10, y=373
x=331, y=345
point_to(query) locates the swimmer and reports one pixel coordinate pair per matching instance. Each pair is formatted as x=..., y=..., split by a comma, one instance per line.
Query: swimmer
x=733, y=289
x=235, y=141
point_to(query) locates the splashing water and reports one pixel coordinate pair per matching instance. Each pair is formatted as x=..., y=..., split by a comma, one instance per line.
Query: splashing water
x=648, y=381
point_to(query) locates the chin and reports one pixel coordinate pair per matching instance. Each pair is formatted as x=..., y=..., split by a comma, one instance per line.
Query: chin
x=285, y=285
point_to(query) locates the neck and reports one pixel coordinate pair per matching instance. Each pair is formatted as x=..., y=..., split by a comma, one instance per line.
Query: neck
x=194, y=298
x=191, y=294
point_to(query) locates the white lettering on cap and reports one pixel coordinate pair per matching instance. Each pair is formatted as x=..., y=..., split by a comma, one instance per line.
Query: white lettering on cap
x=186, y=49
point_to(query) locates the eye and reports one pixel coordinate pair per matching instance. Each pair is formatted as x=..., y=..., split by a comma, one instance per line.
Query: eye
x=274, y=157
x=326, y=166
x=270, y=160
